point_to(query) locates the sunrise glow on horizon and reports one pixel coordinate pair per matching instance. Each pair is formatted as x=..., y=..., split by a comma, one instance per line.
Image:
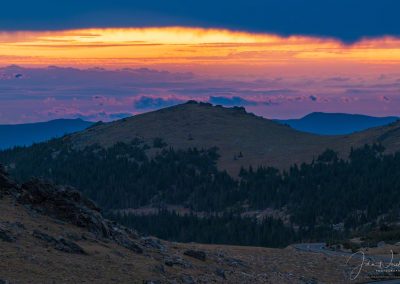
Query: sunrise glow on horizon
x=138, y=47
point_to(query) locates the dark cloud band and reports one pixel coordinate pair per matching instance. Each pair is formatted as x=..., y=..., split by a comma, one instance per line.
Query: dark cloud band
x=344, y=19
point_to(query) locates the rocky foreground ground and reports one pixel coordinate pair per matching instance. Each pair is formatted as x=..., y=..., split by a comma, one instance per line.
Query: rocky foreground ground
x=52, y=234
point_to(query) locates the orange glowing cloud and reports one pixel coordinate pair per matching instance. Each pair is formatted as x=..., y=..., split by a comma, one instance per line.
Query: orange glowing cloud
x=192, y=48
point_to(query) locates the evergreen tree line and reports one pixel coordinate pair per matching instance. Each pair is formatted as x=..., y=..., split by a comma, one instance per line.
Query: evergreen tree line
x=230, y=228
x=327, y=191
x=227, y=229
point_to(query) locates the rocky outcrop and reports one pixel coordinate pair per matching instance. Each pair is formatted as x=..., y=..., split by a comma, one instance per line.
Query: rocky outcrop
x=174, y=260
x=198, y=254
x=63, y=203
x=68, y=205
x=6, y=236
x=7, y=186
x=60, y=244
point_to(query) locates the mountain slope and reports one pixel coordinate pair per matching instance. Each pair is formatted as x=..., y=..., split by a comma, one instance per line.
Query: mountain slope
x=232, y=130
x=336, y=123
x=243, y=139
x=52, y=234
x=27, y=134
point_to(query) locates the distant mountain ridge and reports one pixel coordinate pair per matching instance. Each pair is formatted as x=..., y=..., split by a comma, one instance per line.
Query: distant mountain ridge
x=243, y=138
x=27, y=134
x=336, y=123
x=316, y=123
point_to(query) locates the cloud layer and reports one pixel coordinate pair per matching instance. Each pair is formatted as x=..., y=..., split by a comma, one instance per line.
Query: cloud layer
x=38, y=94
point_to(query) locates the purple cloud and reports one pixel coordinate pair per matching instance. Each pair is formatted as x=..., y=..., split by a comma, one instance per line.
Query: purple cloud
x=34, y=94
x=232, y=101
x=146, y=102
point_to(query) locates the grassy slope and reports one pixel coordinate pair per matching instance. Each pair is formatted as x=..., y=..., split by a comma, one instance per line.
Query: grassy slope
x=261, y=141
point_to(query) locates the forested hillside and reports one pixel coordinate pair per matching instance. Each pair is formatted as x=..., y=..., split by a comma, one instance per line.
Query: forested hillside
x=328, y=196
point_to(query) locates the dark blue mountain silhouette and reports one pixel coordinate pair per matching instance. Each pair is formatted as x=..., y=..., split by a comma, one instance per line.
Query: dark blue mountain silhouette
x=336, y=123
x=27, y=134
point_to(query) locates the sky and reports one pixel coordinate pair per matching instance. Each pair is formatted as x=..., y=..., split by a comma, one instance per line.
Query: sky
x=104, y=60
